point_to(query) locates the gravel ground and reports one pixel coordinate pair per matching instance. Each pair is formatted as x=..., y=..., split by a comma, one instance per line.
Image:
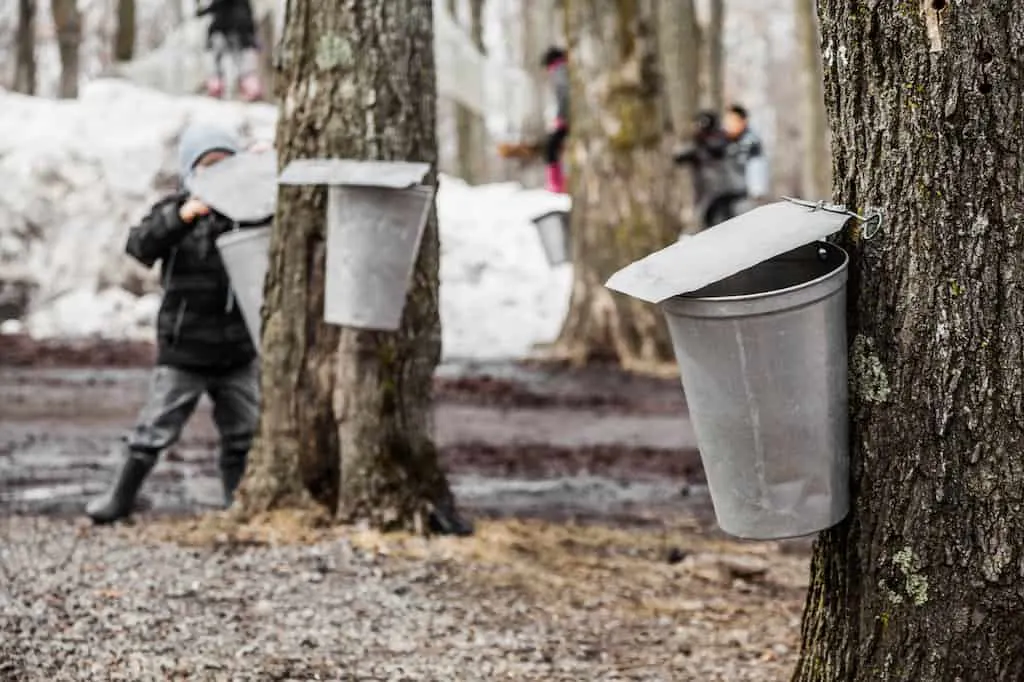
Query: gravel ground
x=645, y=589
x=521, y=601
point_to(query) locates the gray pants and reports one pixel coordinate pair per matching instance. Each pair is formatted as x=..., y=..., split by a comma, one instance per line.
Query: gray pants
x=173, y=396
x=244, y=61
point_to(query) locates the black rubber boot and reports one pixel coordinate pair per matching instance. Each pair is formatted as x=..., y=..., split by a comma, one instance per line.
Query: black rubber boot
x=117, y=503
x=232, y=469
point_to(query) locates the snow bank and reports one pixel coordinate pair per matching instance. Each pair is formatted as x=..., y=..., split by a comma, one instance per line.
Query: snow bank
x=78, y=173
x=498, y=295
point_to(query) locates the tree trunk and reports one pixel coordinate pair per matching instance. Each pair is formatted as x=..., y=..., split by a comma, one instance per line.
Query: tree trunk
x=177, y=12
x=541, y=22
x=124, y=33
x=68, y=23
x=478, y=137
x=469, y=125
x=716, y=55
x=347, y=413
x=625, y=199
x=25, y=57
x=679, y=45
x=817, y=170
x=923, y=582
x=268, y=41
x=536, y=38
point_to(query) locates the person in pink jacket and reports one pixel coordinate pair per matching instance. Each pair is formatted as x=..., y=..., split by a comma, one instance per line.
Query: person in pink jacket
x=556, y=61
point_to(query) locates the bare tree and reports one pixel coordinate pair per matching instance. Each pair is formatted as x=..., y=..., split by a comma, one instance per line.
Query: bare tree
x=469, y=125
x=923, y=582
x=67, y=20
x=817, y=176
x=346, y=413
x=25, y=54
x=716, y=55
x=679, y=43
x=625, y=199
x=125, y=30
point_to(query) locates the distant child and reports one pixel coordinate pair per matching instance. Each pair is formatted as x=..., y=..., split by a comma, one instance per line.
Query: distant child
x=232, y=34
x=556, y=61
x=203, y=345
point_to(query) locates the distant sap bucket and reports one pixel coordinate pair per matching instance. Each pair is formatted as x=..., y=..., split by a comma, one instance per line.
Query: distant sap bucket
x=246, y=256
x=756, y=309
x=553, y=230
x=377, y=213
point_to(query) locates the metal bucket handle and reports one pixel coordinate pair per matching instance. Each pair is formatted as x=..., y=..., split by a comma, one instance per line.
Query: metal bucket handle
x=871, y=222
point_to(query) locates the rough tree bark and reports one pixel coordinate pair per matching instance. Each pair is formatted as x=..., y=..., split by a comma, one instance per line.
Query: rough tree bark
x=679, y=43
x=924, y=581
x=124, y=31
x=346, y=417
x=25, y=54
x=716, y=55
x=68, y=23
x=625, y=199
x=817, y=167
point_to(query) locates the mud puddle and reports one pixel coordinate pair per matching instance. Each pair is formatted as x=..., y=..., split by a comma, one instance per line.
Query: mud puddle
x=521, y=441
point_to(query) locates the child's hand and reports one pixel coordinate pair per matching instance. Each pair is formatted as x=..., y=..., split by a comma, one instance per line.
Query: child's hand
x=192, y=209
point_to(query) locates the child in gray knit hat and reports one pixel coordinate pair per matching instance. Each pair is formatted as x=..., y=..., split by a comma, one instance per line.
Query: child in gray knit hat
x=203, y=345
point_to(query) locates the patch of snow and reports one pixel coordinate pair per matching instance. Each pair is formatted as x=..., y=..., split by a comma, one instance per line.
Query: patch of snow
x=498, y=295
x=79, y=173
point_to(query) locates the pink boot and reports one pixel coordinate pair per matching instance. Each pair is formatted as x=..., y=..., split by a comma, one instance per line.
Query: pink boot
x=555, y=179
x=214, y=87
x=251, y=87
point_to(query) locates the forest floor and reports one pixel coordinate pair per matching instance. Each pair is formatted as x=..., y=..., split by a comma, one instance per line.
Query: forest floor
x=596, y=556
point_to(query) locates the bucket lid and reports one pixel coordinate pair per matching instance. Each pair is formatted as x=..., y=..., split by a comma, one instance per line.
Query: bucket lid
x=393, y=174
x=243, y=187
x=721, y=251
x=543, y=217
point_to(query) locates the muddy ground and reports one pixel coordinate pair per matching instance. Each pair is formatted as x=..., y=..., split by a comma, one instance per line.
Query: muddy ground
x=587, y=473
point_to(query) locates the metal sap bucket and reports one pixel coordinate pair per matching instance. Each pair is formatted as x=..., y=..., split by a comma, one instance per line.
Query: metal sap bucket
x=763, y=357
x=373, y=238
x=553, y=230
x=756, y=308
x=246, y=256
x=377, y=213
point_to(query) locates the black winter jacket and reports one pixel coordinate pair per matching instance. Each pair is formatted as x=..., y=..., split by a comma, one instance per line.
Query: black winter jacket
x=199, y=326
x=232, y=18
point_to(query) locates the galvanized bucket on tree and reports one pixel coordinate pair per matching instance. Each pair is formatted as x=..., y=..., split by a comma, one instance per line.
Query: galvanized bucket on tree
x=246, y=256
x=553, y=230
x=376, y=217
x=756, y=311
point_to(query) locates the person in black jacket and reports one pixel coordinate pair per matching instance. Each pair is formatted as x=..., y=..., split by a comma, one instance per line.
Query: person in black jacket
x=203, y=344
x=232, y=34
x=708, y=156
